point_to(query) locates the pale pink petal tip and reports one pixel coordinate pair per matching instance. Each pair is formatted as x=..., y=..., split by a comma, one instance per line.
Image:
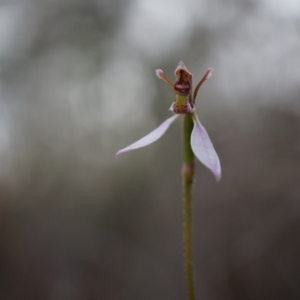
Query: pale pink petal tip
x=209, y=72
x=181, y=66
x=151, y=137
x=204, y=149
x=159, y=73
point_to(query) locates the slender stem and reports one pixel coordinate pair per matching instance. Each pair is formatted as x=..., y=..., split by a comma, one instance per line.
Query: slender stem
x=187, y=178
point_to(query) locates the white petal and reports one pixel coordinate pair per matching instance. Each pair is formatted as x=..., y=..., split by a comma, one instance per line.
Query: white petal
x=204, y=149
x=151, y=137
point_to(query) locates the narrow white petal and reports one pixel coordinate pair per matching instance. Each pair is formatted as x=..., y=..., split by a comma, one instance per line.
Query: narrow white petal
x=151, y=137
x=204, y=149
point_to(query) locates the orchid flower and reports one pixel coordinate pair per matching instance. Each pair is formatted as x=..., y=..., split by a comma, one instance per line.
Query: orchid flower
x=184, y=104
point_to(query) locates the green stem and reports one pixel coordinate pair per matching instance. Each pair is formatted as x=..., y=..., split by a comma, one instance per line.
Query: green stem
x=187, y=178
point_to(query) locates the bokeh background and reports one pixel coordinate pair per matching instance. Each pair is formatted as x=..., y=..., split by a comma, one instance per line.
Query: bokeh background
x=77, y=83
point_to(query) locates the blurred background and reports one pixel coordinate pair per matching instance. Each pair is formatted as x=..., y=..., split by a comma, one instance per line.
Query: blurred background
x=77, y=83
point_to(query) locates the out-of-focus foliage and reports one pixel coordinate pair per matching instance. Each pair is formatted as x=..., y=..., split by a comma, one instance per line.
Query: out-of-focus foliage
x=77, y=83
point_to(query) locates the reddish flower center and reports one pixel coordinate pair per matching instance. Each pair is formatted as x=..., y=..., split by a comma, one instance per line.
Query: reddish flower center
x=182, y=84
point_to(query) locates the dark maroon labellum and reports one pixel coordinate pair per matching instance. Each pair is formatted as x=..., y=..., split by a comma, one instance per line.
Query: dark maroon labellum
x=182, y=87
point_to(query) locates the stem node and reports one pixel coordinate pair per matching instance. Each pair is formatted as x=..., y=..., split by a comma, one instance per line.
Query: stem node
x=188, y=171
